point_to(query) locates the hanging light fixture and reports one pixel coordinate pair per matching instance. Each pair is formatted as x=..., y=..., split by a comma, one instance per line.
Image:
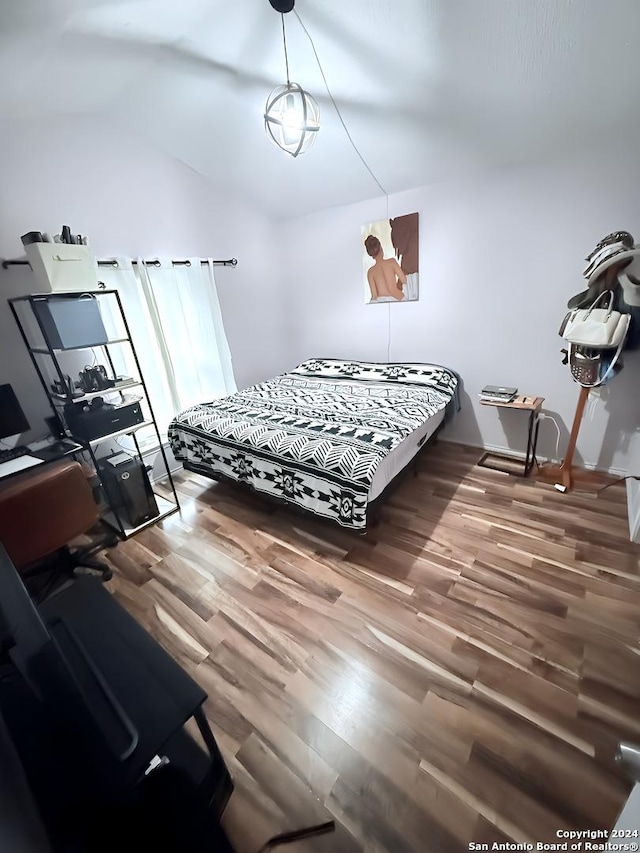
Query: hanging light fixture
x=291, y=116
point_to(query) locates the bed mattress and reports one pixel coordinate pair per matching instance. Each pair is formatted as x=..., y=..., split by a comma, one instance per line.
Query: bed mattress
x=402, y=454
x=328, y=436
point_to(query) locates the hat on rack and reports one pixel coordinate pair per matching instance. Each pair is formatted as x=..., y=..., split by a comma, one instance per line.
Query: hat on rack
x=616, y=248
x=611, y=250
x=587, y=297
x=629, y=281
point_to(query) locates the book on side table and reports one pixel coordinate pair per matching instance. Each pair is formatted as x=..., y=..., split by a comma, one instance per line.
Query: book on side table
x=498, y=394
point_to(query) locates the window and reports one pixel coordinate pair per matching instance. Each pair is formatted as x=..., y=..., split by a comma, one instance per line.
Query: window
x=176, y=325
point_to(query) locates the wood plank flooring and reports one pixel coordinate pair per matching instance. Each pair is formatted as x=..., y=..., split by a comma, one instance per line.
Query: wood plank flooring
x=462, y=673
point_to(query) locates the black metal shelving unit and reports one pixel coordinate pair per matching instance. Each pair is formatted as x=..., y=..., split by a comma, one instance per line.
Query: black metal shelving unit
x=111, y=515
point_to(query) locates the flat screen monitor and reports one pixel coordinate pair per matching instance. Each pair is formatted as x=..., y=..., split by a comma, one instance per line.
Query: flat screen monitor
x=12, y=419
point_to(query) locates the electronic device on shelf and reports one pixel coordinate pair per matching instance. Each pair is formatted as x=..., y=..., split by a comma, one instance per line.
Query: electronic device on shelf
x=70, y=322
x=94, y=378
x=485, y=398
x=497, y=394
x=68, y=388
x=498, y=391
x=127, y=485
x=96, y=418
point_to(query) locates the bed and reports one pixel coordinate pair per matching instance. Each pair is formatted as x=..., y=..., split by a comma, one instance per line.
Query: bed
x=328, y=437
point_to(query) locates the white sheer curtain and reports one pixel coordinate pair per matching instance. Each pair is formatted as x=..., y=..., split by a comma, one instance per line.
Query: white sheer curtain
x=185, y=311
x=176, y=325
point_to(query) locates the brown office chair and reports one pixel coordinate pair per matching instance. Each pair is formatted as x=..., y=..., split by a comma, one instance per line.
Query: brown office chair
x=41, y=511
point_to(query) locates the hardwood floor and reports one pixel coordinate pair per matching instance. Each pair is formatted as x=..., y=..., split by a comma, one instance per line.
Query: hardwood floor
x=462, y=673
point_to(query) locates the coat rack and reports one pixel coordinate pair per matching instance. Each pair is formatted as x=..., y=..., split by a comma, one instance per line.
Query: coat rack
x=564, y=475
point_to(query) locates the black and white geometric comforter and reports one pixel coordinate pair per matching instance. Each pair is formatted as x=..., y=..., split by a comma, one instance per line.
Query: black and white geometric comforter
x=314, y=437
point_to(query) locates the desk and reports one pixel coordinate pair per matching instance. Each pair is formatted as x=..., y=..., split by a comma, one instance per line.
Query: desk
x=18, y=465
x=39, y=454
x=87, y=770
x=524, y=404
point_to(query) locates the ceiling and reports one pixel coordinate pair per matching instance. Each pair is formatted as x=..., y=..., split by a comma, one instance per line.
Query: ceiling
x=429, y=89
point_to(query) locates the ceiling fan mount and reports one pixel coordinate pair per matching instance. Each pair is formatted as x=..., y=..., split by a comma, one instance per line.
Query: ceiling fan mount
x=283, y=6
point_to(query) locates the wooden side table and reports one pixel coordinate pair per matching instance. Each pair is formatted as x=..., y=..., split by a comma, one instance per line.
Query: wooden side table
x=525, y=404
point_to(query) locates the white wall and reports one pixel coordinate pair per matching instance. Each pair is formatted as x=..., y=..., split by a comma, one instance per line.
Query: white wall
x=499, y=257
x=131, y=199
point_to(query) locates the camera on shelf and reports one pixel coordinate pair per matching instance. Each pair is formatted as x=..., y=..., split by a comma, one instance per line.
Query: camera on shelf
x=67, y=388
x=94, y=379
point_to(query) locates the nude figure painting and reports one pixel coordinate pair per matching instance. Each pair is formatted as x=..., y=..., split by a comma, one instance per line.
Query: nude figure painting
x=390, y=259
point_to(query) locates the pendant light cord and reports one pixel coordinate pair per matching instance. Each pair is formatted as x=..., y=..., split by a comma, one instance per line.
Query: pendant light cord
x=355, y=148
x=335, y=106
x=284, y=41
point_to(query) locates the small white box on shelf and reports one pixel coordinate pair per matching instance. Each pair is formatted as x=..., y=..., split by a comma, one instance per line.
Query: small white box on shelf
x=61, y=266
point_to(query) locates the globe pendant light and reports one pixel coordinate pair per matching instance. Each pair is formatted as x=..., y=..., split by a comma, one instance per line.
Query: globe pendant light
x=291, y=116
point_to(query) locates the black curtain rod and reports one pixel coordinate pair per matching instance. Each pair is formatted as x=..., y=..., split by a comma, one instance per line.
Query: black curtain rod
x=232, y=262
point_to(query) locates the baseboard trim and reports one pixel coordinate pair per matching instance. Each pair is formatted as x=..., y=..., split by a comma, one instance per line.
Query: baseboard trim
x=616, y=472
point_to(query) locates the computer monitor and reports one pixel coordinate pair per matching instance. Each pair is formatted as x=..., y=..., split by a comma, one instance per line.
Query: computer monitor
x=12, y=419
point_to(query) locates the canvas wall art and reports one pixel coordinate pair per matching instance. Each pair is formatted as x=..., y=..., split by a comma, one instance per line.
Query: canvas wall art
x=390, y=259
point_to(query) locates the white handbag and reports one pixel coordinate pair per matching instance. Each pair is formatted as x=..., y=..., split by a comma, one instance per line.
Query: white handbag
x=600, y=328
